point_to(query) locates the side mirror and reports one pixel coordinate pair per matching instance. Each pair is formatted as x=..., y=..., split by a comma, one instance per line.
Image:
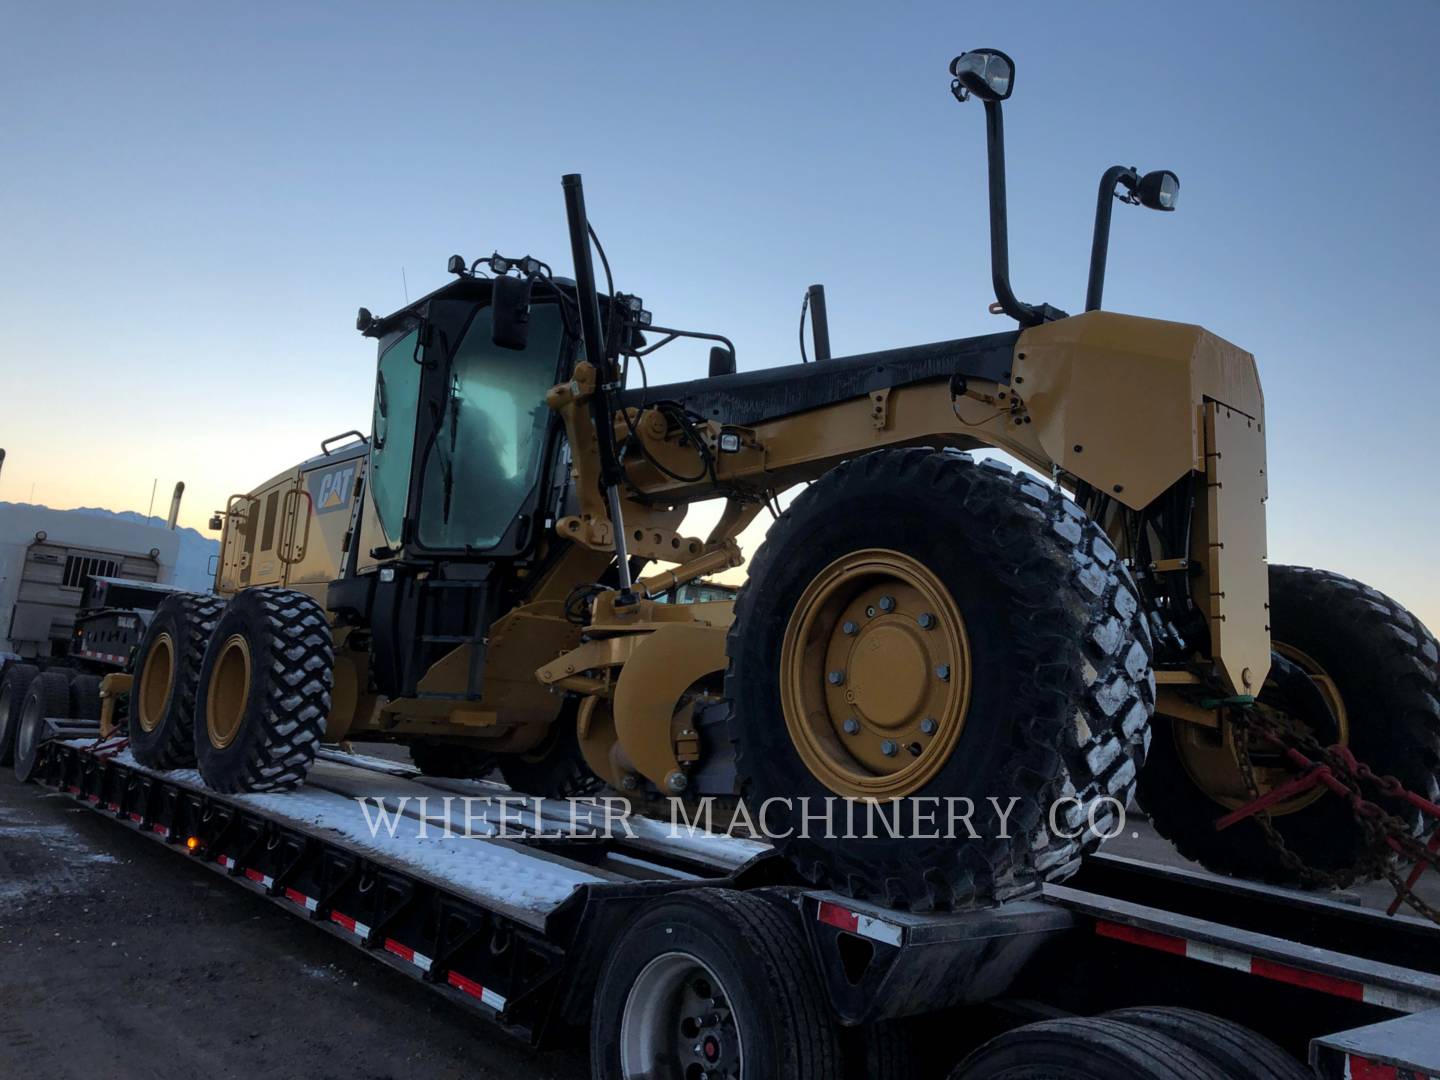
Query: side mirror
x=364, y=320
x=987, y=73
x=1159, y=190
x=510, y=304
x=722, y=361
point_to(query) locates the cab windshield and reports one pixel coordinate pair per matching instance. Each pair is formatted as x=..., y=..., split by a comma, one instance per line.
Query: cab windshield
x=485, y=460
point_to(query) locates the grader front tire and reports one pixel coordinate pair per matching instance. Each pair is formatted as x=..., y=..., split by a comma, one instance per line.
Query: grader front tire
x=1010, y=661
x=265, y=692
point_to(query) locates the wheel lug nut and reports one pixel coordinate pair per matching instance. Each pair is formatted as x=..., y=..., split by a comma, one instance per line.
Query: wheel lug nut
x=943, y=672
x=926, y=620
x=836, y=678
x=850, y=628
x=887, y=603
x=888, y=748
x=928, y=725
x=852, y=726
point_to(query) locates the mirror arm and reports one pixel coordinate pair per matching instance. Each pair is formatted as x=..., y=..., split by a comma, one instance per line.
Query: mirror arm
x=1100, y=245
x=1023, y=313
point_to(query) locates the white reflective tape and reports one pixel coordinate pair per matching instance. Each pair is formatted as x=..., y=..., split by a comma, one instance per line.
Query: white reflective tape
x=494, y=1000
x=422, y=962
x=1399, y=1000
x=1220, y=957
x=877, y=929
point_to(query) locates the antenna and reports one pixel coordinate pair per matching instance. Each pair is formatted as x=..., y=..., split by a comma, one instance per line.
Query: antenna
x=148, y=512
x=405, y=282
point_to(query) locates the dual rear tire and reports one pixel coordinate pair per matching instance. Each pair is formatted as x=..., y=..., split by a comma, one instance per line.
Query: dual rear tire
x=241, y=690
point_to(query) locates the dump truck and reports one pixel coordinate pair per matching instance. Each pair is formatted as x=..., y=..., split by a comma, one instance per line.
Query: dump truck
x=921, y=626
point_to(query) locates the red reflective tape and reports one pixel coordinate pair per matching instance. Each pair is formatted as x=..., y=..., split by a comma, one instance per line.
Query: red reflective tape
x=1358, y=1068
x=134, y=817
x=470, y=986
x=114, y=807
x=295, y=896
x=255, y=875
x=402, y=951
x=1310, y=980
x=161, y=829
x=1135, y=936
x=95, y=799
x=835, y=915
x=344, y=920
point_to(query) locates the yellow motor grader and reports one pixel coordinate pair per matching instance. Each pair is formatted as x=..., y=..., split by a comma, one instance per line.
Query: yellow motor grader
x=921, y=629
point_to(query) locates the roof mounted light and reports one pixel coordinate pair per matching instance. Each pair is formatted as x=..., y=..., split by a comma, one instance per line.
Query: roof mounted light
x=456, y=265
x=986, y=73
x=1159, y=190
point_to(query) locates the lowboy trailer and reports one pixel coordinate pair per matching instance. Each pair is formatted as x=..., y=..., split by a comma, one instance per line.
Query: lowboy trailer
x=544, y=930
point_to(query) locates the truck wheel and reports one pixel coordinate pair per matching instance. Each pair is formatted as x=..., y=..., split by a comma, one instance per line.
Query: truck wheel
x=1085, y=1049
x=47, y=696
x=712, y=984
x=1242, y=1054
x=265, y=692
x=451, y=760
x=85, y=698
x=921, y=628
x=13, y=686
x=161, y=723
x=1374, y=667
x=884, y=1050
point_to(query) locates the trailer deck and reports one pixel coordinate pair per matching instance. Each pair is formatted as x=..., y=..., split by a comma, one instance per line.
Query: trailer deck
x=490, y=899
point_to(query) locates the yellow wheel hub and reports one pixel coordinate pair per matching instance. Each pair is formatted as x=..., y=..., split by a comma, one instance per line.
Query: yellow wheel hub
x=1211, y=757
x=875, y=675
x=156, y=682
x=228, y=692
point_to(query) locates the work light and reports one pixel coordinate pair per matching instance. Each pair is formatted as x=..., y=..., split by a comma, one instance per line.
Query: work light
x=987, y=73
x=1159, y=190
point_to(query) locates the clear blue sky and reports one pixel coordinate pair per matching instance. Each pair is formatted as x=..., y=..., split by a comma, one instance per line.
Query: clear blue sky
x=194, y=199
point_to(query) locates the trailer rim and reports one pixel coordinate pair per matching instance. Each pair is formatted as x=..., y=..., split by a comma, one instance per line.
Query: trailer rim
x=678, y=1010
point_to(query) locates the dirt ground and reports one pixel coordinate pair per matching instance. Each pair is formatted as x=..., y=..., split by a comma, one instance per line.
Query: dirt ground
x=118, y=959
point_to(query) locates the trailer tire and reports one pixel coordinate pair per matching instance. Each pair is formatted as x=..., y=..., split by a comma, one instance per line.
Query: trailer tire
x=1382, y=662
x=884, y=1050
x=265, y=692
x=1085, y=1049
x=13, y=686
x=769, y=1013
x=451, y=760
x=1242, y=1053
x=85, y=697
x=47, y=696
x=161, y=722
x=1012, y=585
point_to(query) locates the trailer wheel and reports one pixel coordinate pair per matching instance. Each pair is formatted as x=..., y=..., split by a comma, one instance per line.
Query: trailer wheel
x=1085, y=1049
x=884, y=1050
x=712, y=984
x=85, y=697
x=48, y=696
x=1374, y=666
x=265, y=692
x=451, y=760
x=1242, y=1053
x=13, y=686
x=167, y=677
x=919, y=630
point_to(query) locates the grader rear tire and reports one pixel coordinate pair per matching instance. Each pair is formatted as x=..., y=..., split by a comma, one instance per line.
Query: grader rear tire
x=167, y=677
x=265, y=692
x=918, y=627
x=451, y=760
x=1382, y=664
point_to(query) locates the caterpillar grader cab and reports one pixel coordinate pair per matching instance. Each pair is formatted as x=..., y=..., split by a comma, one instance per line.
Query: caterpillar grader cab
x=993, y=658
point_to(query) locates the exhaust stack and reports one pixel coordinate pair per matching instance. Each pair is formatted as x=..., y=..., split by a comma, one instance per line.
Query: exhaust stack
x=175, y=505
